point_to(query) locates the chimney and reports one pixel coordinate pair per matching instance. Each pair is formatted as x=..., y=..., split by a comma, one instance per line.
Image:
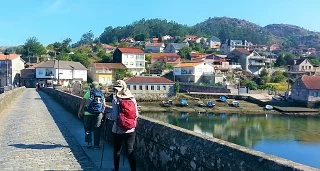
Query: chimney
x=294, y=62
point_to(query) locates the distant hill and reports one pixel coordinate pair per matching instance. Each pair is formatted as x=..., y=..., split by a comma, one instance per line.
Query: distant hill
x=221, y=27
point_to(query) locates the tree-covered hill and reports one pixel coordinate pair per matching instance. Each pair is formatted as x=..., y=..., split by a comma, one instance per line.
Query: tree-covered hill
x=222, y=27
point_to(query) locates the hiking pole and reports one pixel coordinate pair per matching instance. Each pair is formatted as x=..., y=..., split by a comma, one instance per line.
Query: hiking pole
x=105, y=137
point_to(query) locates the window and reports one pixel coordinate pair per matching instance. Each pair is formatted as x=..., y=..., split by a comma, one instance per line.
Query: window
x=298, y=93
x=302, y=67
x=131, y=63
x=147, y=88
x=134, y=87
x=164, y=87
x=315, y=94
x=309, y=67
x=128, y=87
x=140, y=87
x=158, y=87
x=152, y=87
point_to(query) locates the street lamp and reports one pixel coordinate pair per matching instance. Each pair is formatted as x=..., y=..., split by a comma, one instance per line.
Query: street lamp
x=6, y=53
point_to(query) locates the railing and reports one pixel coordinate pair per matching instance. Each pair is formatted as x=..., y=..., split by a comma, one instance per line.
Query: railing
x=257, y=57
x=257, y=64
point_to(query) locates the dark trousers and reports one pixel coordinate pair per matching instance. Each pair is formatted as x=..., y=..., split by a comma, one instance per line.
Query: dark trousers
x=128, y=139
x=92, y=123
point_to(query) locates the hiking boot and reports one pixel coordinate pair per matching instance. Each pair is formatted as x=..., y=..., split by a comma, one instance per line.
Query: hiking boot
x=88, y=137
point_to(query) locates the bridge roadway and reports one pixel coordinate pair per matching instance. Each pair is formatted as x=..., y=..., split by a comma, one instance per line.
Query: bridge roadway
x=36, y=133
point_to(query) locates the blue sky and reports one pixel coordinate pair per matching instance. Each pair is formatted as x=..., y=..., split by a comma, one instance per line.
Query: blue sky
x=55, y=20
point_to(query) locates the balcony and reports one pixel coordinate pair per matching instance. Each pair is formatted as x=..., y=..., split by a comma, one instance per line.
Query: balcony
x=257, y=64
x=257, y=57
x=103, y=71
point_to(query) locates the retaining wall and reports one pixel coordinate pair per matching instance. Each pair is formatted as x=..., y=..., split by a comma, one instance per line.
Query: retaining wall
x=8, y=97
x=161, y=146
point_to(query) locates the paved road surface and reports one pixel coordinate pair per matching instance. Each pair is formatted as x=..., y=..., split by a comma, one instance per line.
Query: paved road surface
x=36, y=133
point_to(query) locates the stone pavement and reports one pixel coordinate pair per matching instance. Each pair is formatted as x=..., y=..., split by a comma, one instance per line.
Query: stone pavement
x=36, y=133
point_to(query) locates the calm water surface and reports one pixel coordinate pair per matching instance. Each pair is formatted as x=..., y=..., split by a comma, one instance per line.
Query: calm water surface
x=293, y=138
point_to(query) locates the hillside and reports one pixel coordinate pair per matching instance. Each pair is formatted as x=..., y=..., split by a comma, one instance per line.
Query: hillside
x=222, y=27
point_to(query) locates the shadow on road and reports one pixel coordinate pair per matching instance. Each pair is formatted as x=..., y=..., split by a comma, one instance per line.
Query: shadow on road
x=38, y=146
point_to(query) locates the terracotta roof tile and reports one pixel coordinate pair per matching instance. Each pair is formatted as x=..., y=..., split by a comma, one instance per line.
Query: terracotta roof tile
x=162, y=55
x=110, y=65
x=242, y=50
x=148, y=80
x=311, y=82
x=10, y=56
x=155, y=44
x=130, y=50
x=189, y=64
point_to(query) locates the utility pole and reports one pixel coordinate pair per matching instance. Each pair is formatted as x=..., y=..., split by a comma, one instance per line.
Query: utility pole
x=7, y=70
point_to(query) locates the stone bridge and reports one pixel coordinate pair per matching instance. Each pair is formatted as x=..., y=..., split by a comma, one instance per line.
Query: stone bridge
x=39, y=130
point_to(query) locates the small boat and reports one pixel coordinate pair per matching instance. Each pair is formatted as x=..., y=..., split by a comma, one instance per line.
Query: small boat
x=167, y=103
x=210, y=104
x=183, y=102
x=223, y=98
x=201, y=104
x=268, y=107
x=235, y=103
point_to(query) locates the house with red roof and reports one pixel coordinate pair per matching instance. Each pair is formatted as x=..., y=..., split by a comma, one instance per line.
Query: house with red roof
x=132, y=58
x=10, y=69
x=250, y=61
x=108, y=48
x=104, y=73
x=307, y=90
x=154, y=47
x=166, y=58
x=150, y=87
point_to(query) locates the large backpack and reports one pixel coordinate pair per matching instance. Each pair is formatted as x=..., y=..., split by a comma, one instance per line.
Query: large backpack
x=96, y=101
x=127, y=114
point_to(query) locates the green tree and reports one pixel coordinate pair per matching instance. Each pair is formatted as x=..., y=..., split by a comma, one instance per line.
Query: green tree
x=120, y=74
x=176, y=88
x=185, y=52
x=32, y=47
x=140, y=37
x=80, y=57
x=87, y=38
x=250, y=84
x=278, y=77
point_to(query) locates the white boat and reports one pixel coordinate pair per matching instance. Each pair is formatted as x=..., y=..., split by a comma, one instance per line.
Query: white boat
x=268, y=107
x=235, y=103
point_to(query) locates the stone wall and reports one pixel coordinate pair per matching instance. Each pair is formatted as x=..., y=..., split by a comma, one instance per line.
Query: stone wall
x=8, y=97
x=161, y=146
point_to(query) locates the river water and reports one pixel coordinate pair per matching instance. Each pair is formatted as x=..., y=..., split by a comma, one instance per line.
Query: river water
x=293, y=138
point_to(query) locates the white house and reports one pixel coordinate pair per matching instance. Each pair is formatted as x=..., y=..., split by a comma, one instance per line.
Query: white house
x=191, y=72
x=10, y=75
x=69, y=71
x=154, y=47
x=230, y=45
x=252, y=62
x=132, y=58
x=150, y=87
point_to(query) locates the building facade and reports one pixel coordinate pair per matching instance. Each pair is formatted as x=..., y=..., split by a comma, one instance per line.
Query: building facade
x=154, y=48
x=60, y=72
x=132, y=58
x=104, y=73
x=307, y=90
x=191, y=72
x=150, y=87
x=229, y=45
x=10, y=69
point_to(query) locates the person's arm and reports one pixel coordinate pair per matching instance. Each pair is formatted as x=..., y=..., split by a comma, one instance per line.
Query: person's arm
x=81, y=106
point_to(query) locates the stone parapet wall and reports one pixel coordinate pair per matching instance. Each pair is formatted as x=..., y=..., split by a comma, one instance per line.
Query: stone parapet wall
x=161, y=146
x=69, y=101
x=8, y=97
